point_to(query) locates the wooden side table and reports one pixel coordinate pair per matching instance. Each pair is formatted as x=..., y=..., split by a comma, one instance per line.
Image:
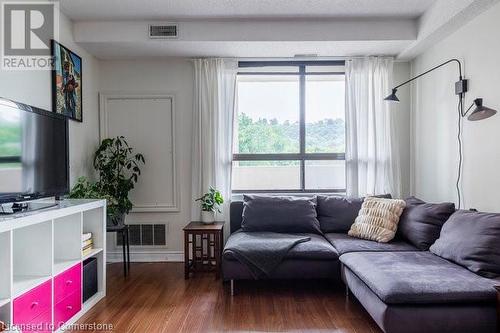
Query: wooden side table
x=203, y=248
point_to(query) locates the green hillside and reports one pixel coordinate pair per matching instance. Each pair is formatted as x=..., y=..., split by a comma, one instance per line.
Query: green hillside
x=271, y=136
x=10, y=140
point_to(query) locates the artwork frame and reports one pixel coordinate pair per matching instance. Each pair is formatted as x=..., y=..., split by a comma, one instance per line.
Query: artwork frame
x=67, y=82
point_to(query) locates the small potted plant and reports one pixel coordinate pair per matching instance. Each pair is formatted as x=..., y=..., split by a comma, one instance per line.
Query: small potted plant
x=210, y=204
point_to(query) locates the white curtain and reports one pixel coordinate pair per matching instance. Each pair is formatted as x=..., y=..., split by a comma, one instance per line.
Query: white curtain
x=214, y=99
x=371, y=154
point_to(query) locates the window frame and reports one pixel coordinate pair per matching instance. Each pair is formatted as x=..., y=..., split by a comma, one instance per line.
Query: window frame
x=302, y=156
x=10, y=159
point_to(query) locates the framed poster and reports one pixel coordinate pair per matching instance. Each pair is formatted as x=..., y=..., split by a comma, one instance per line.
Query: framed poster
x=67, y=82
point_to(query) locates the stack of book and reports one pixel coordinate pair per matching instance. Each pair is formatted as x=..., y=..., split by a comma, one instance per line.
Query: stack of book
x=87, y=243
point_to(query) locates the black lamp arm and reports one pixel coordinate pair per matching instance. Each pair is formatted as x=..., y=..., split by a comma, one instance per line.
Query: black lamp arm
x=478, y=102
x=434, y=68
x=463, y=114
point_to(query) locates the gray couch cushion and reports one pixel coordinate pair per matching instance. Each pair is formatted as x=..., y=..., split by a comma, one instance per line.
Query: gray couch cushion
x=236, y=214
x=292, y=269
x=337, y=214
x=471, y=239
x=418, y=278
x=279, y=214
x=344, y=243
x=423, y=318
x=421, y=222
x=317, y=248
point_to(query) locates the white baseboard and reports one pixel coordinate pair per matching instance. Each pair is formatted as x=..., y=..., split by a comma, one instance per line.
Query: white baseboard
x=143, y=256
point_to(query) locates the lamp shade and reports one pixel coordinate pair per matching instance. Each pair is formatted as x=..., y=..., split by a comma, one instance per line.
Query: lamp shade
x=392, y=97
x=480, y=112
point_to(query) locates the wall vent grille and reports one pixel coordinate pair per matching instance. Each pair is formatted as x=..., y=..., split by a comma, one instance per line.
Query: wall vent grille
x=167, y=31
x=146, y=235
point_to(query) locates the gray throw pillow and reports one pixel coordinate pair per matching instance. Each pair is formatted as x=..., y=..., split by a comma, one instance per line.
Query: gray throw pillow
x=337, y=214
x=280, y=214
x=421, y=222
x=471, y=239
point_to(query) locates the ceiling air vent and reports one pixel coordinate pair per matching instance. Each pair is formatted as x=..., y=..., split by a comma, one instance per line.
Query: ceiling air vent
x=166, y=31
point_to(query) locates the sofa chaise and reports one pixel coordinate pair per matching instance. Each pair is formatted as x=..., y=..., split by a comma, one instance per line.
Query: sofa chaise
x=401, y=284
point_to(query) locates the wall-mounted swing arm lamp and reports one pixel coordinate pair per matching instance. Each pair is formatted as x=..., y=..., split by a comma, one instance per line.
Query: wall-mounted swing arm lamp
x=480, y=112
x=461, y=87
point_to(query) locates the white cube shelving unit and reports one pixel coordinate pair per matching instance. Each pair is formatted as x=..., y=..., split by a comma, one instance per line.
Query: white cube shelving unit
x=5, y=275
x=31, y=256
x=37, y=246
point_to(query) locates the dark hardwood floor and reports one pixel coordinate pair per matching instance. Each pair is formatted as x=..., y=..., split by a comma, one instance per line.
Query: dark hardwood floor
x=156, y=298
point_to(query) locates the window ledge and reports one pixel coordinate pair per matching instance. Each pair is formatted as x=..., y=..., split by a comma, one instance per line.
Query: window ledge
x=239, y=196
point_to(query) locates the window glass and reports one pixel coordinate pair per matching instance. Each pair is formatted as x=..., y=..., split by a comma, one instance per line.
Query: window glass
x=10, y=132
x=270, y=69
x=325, y=114
x=324, y=175
x=266, y=175
x=325, y=69
x=10, y=149
x=274, y=104
x=268, y=115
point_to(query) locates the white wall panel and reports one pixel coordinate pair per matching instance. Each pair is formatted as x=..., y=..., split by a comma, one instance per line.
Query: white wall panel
x=147, y=123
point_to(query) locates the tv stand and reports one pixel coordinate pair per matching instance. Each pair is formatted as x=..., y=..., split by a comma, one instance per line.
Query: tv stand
x=42, y=263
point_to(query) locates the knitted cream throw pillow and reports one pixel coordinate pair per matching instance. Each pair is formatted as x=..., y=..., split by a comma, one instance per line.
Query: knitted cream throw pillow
x=378, y=219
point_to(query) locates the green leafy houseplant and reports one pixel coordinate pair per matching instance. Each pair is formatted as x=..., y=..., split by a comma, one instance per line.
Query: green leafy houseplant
x=84, y=189
x=211, y=201
x=118, y=170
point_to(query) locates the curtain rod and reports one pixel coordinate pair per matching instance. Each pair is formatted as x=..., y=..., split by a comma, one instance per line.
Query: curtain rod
x=296, y=58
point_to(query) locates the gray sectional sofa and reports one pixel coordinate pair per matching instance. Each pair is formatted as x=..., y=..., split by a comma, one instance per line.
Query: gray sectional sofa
x=402, y=285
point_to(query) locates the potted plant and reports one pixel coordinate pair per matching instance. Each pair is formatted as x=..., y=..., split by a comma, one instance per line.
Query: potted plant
x=118, y=170
x=84, y=189
x=210, y=204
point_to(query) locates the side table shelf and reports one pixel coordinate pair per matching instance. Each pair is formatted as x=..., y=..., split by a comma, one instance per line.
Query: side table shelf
x=203, y=248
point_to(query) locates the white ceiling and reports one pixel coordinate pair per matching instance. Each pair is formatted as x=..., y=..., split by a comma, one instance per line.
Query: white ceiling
x=80, y=10
x=119, y=50
x=118, y=29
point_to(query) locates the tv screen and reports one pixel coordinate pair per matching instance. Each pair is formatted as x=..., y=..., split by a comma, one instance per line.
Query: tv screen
x=33, y=152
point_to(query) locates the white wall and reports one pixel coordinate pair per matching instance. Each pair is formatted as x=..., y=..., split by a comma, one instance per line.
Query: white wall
x=435, y=116
x=34, y=88
x=175, y=77
x=402, y=116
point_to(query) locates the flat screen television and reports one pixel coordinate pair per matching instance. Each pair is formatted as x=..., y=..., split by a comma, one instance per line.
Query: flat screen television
x=33, y=153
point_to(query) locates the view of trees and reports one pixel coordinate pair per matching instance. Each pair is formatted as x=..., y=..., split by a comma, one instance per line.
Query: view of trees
x=254, y=136
x=271, y=136
x=10, y=140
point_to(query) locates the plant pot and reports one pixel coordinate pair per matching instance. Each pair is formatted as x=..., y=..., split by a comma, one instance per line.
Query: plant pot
x=115, y=220
x=207, y=217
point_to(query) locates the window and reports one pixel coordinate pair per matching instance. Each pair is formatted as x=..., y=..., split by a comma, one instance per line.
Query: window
x=290, y=127
x=10, y=149
x=10, y=137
